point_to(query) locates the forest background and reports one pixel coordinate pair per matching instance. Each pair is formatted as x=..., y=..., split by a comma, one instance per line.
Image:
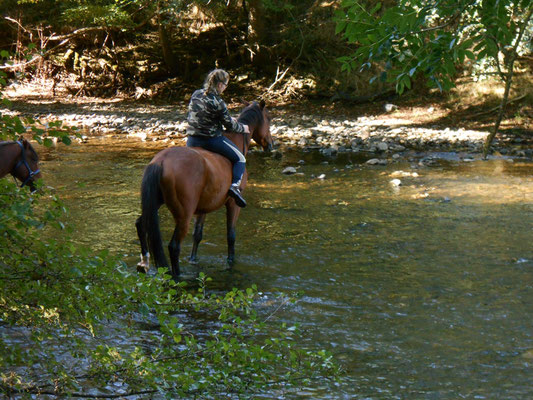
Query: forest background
x=458, y=56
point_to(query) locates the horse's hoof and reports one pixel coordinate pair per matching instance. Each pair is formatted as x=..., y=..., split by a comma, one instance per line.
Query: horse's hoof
x=142, y=267
x=175, y=272
x=193, y=261
x=231, y=262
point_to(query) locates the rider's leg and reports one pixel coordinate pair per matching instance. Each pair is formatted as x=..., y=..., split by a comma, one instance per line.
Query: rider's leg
x=227, y=148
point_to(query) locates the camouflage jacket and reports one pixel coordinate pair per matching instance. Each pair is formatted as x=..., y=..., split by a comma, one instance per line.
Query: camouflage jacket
x=208, y=114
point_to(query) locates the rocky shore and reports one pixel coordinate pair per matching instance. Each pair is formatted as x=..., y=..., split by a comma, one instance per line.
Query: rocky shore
x=384, y=137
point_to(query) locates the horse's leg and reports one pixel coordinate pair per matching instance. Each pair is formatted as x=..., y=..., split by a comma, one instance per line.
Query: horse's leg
x=174, y=247
x=144, y=264
x=197, y=237
x=232, y=214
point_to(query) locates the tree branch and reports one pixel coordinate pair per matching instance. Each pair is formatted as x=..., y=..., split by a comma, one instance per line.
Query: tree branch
x=279, y=78
x=16, y=23
x=497, y=107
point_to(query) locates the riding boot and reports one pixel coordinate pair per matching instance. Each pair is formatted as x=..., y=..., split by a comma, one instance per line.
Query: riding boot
x=235, y=192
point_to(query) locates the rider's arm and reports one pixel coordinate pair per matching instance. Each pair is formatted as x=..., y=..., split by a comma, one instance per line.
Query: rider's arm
x=229, y=123
x=246, y=127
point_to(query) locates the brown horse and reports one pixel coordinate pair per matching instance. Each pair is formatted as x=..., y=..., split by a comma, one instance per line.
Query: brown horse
x=20, y=160
x=191, y=180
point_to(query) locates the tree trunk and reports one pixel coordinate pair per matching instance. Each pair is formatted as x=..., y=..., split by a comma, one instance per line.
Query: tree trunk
x=508, y=81
x=257, y=32
x=169, y=57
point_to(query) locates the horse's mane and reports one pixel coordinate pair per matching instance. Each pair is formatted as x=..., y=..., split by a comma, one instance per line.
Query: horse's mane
x=30, y=147
x=251, y=115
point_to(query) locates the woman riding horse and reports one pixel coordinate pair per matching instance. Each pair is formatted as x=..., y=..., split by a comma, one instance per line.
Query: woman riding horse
x=207, y=114
x=194, y=181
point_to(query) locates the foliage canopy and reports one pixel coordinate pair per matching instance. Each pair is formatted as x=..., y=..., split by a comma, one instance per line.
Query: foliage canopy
x=432, y=39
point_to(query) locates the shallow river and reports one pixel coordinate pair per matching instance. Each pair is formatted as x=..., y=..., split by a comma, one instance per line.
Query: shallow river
x=422, y=291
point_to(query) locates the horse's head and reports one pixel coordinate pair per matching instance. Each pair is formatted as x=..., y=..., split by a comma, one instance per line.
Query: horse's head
x=257, y=117
x=27, y=168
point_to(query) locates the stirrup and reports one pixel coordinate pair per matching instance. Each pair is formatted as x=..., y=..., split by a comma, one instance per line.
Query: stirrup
x=236, y=194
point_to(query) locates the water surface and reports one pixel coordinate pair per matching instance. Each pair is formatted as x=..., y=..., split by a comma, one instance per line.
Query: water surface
x=422, y=291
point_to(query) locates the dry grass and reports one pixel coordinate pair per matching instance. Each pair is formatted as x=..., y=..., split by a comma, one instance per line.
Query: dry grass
x=478, y=102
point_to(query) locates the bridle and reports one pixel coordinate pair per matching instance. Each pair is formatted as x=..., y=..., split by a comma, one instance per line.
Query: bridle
x=24, y=162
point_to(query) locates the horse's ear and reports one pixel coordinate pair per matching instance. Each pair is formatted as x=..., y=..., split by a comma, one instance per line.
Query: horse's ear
x=23, y=141
x=262, y=104
x=245, y=103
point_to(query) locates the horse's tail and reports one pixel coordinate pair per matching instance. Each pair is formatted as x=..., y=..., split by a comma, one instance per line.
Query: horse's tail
x=151, y=200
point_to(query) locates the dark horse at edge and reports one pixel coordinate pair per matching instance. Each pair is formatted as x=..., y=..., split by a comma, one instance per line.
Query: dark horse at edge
x=193, y=181
x=19, y=159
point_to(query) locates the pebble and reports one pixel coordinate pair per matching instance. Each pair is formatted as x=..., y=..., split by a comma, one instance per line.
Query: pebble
x=377, y=161
x=396, y=182
x=383, y=146
x=404, y=174
x=289, y=171
x=390, y=107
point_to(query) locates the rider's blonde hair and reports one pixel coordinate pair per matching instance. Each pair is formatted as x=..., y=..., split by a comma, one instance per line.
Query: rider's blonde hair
x=214, y=78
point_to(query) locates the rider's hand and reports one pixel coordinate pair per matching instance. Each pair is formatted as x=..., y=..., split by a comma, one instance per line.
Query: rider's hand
x=246, y=129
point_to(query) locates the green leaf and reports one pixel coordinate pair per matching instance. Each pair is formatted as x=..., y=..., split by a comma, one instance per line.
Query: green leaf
x=376, y=8
x=340, y=27
x=452, y=43
x=470, y=55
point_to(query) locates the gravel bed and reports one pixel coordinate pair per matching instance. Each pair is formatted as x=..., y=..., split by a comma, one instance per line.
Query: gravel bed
x=384, y=138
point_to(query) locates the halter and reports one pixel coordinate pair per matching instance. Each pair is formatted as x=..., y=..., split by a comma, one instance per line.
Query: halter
x=24, y=162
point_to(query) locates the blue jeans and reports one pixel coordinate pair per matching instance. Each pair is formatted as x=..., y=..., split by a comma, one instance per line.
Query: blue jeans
x=222, y=145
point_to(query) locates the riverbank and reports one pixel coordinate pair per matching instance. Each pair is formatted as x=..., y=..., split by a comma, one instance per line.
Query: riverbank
x=384, y=131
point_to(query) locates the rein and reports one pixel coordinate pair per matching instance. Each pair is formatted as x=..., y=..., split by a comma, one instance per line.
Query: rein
x=245, y=142
x=24, y=162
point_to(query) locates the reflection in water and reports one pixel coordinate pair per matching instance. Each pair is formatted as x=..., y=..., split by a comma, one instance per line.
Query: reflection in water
x=422, y=290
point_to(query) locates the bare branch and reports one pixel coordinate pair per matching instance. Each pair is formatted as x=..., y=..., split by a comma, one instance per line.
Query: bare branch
x=17, y=23
x=78, y=32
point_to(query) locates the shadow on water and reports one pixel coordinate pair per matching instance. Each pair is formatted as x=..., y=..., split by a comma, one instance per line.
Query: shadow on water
x=422, y=290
